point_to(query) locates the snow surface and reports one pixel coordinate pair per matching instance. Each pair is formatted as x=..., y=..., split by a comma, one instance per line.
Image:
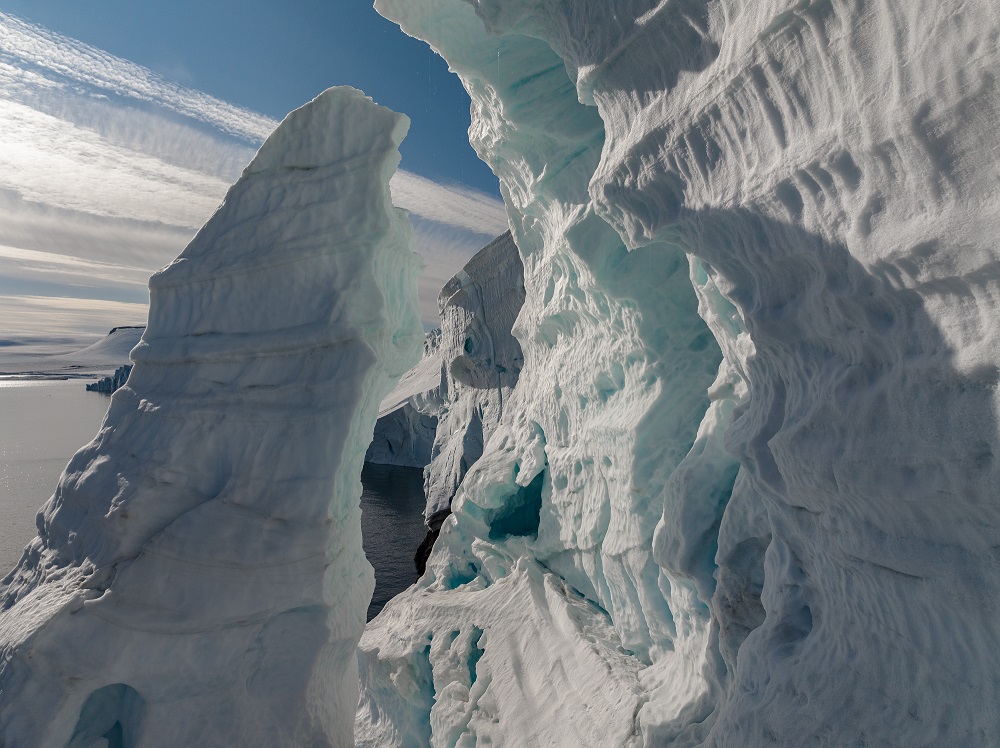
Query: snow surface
x=744, y=492
x=199, y=578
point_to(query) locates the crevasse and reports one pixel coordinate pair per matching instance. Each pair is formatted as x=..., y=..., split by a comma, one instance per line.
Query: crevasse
x=762, y=510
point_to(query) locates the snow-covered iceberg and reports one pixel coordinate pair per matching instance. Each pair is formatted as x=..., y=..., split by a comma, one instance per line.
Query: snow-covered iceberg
x=744, y=492
x=198, y=578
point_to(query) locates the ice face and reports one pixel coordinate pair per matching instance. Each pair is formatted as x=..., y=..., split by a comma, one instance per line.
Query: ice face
x=198, y=578
x=480, y=363
x=442, y=411
x=778, y=487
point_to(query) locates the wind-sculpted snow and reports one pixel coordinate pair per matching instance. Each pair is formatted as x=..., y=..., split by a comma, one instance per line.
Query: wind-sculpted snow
x=199, y=578
x=794, y=546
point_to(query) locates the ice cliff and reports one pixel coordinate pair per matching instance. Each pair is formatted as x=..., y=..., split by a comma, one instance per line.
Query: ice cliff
x=198, y=578
x=442, y=410
x=480, y=364
x=744, y=492
x=112, y=382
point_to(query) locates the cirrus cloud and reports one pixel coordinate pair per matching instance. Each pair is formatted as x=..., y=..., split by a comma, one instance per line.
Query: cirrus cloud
x=107, y=169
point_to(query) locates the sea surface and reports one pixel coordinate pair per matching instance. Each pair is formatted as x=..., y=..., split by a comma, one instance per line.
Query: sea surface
x=44, y=423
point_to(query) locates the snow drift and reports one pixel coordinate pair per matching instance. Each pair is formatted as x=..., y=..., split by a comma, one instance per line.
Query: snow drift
x=744, y=490
x=198, y=578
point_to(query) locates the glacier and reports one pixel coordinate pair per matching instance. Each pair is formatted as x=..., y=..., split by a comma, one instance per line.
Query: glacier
x=744, y=491
x=198, y=577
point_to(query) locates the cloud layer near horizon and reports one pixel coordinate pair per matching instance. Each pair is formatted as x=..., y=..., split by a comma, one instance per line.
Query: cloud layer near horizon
x=107, y=170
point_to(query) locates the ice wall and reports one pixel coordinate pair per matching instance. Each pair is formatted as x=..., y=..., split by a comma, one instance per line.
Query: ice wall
x=198, y=578
x=442, y=410
x=480, y=364
x=802, y=551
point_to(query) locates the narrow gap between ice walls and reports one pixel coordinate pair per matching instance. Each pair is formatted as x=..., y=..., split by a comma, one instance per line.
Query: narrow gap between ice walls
x=609, y=435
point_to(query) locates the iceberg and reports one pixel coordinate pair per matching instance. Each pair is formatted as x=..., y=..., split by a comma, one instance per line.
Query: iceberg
x=743, y=492
x=198, y=577
x=112, y=382
x=442, y=411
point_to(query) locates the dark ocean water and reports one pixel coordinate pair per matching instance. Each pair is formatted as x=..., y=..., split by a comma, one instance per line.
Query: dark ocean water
x=42, y=424
x=392, y=527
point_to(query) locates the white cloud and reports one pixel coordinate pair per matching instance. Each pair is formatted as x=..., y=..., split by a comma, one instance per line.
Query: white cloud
x=83, y=271
x=107, y=169
x=54, y=317
x=54, y=54
x=53, y=162
x=460, y=207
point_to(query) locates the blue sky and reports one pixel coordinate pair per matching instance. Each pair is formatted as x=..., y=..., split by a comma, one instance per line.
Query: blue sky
x=122, y=125
x=271, y=57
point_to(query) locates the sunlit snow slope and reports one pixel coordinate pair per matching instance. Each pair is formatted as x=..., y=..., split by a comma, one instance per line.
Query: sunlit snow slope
x=198, y=578
x=745, y=490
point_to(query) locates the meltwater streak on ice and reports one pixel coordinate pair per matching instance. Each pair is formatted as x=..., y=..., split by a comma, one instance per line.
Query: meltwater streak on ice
x=199, y=575
x=829, y=170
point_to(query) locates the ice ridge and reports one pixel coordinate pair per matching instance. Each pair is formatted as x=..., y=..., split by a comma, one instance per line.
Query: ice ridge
x=198, y=578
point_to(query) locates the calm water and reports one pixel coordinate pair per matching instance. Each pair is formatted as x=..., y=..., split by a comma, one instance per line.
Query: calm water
x=392, y=527
x=42, y=424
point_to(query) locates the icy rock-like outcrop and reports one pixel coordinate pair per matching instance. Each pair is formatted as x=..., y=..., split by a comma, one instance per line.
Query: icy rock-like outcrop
x=408, y=416
x=480, y=364
x=806, y=554
x=199, y=578
x=109, y=384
